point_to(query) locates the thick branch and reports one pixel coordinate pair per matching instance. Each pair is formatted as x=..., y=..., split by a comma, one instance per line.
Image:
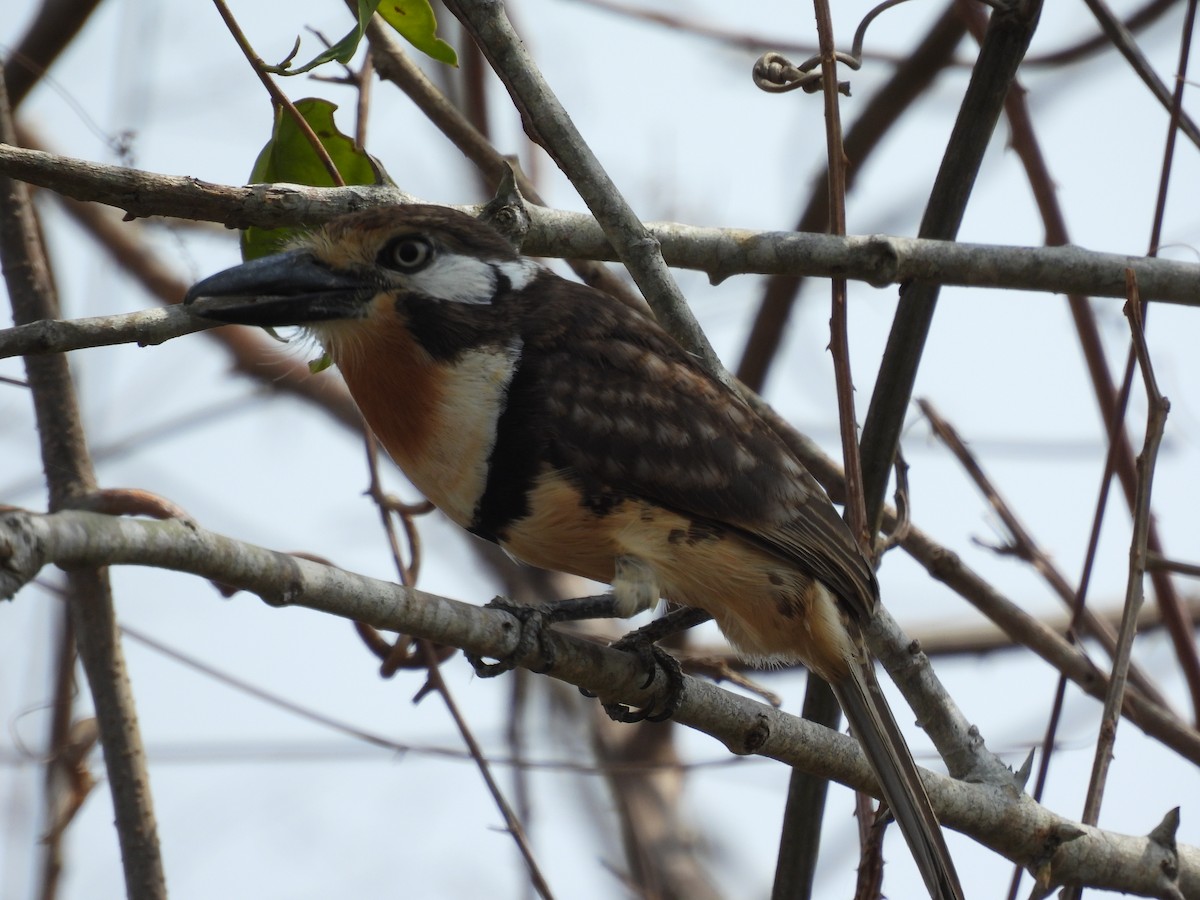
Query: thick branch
x=879, y=260
x=1015, y=826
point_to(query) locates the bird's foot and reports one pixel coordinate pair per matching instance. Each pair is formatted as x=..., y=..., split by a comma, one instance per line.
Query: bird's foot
x=652, y=658
x=643, y=644
x=533, y=621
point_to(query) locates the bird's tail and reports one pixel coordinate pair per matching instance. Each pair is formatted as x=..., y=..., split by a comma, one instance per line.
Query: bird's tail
x=877, y=732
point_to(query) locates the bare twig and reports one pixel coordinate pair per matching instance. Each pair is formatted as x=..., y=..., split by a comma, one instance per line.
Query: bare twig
x=1156, y=561
x=1121, y=38
x=511, y=823
x=278, y=97
x=432, y=656
x=60, y=726
x=144, y=328
x=879, y=114
x=799, y=843
x=1024, y=547
x=1155, y=424
x=839, y=341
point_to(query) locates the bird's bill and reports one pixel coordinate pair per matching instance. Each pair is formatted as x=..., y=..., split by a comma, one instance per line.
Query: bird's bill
x=289, y=288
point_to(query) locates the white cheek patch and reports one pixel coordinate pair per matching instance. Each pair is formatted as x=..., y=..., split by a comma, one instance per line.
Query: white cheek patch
x=456, y=278
x=519, y=272
x=465, y=279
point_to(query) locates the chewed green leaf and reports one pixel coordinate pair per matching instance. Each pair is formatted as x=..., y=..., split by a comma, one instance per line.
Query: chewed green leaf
x=416, y=23
x=289, y=157
x=320, y=364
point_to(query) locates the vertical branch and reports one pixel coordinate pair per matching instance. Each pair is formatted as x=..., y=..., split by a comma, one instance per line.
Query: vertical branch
x=70, y=476
x=839, y=341
x=1155, y=423
x=799, y=843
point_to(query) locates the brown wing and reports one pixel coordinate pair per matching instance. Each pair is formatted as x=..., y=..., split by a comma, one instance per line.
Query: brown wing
x=614, y=401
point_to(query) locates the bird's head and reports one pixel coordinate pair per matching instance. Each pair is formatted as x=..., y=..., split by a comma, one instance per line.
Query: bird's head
x=370, y=267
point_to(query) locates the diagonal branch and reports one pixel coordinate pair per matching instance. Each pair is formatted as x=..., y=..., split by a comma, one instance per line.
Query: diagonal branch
x=1008, y=35
x=546, y=121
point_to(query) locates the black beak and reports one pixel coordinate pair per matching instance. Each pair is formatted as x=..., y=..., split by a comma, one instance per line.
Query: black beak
x=290, y=288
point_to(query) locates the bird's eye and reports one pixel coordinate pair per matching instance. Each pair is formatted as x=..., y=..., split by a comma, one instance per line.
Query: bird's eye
x=407, y=254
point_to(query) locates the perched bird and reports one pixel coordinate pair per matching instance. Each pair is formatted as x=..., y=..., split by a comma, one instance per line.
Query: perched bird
x=574, y=432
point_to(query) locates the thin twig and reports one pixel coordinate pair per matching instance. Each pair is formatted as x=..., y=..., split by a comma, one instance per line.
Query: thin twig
x=1121, y=38
x=432, y=660
x=60, y=725
x=144, y=328
x=839, y=340
x=278, y=97
x=1155, y=424
x=1024, y=547
x=511, y=823
x=880, y=112
x=1155, y=561
x=870, y=844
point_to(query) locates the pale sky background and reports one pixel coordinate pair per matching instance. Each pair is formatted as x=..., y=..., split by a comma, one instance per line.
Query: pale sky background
x=253, y=801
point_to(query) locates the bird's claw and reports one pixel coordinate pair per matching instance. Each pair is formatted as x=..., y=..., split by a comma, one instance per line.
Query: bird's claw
x=653, y=658
x=532, y=622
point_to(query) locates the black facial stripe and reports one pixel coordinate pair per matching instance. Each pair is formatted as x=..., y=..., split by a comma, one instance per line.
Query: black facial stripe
x=446, y=329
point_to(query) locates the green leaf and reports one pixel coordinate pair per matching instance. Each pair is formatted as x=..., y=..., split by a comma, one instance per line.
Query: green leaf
x=416, y=23
x=320, y=364
x=289, y=157
x=413, y=19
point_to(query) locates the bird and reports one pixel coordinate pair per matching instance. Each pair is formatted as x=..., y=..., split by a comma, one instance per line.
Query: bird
x=572, y=430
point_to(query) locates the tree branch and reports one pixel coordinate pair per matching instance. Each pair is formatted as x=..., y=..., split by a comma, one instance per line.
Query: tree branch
x=1010, y=824
x=70, y=476
x=546, y=121
x=879, y=260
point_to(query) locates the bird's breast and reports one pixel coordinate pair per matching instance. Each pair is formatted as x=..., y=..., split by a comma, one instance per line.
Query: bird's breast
x=436, y=419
